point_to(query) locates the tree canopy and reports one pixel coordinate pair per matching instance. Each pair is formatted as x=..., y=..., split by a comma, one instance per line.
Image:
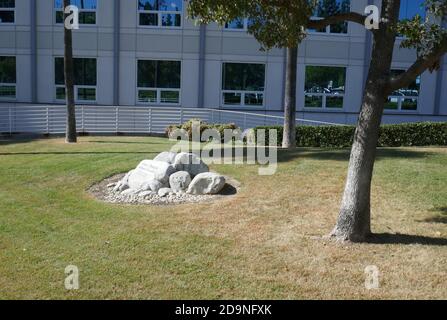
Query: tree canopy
x=274, y=23
x=284, y=24
x=428, y=36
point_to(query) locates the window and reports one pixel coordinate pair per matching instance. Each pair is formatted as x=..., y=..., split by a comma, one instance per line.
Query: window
x=328, y=8
x=410, y=8
x=8, y=77
x=87, y=10
x=160, y=13
x=243, y=84
x=325, y=87
x=238, y=24
x=159, y=82
x=84, y=79
x=7, y=11
x=405, y=99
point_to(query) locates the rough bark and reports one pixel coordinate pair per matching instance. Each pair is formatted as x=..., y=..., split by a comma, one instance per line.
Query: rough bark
x=71, y=134
x=289, y=138
x=354, y=221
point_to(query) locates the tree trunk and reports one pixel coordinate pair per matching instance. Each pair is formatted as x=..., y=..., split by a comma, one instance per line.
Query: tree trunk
x=71, y=134
x=289, y=138
x=354, y=221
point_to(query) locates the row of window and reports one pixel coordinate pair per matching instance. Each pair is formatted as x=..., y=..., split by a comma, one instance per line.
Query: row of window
x=243, y=84
x=168, y=13
x=155, y=13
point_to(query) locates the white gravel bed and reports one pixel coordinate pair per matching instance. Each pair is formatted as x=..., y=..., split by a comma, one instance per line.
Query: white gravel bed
x=104, y=191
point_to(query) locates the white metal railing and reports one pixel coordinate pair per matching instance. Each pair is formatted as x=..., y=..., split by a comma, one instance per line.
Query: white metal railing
x=51, y=119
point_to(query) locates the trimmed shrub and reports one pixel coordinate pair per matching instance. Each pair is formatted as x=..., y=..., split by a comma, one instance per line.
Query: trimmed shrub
x=398, y=135
x=187, y=126
x=414, y=134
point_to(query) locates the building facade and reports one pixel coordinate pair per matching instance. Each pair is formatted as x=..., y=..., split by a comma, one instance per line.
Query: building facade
x=148, y=53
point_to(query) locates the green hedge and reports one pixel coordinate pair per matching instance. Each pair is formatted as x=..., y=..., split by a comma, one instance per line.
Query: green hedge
x=398, y=135
x=187, y=126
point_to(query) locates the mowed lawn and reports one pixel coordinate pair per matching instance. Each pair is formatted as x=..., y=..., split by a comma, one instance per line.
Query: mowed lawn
x=265, y=243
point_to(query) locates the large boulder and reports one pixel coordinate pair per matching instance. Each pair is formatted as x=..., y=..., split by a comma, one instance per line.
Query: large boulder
x=190, y=163
x=180, y=181
x=168, y=157
x=207, y=183
x=148, y=171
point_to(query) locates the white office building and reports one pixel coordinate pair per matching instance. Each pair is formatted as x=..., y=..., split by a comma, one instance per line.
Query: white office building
x=147, y=53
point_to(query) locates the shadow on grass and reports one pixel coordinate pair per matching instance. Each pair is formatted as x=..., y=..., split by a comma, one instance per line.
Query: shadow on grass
x=314, y=153
x=344, y=154
x=76, y=153
x=441, y=216
x=228, y=190
x=325, y=154
x=405, y=239
x=127, y=142
x=8, y=140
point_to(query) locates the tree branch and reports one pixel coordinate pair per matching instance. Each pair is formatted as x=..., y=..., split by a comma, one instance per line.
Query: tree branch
x=336, y=18
x=428, y=61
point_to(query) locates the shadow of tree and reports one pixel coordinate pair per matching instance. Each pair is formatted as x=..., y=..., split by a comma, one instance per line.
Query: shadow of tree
x=76, y=153
x=344, y=154
x=143, y=143
x=283, y=155
x=441, y=216
x=313, y=153
x=405, y=239
x=7, y=140
x=436, y=220
x=228, y=190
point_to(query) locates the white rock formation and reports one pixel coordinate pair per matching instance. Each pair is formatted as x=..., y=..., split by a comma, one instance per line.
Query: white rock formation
x=168, y=157
x=153, y=185
x=170, y=174
x=206, y=183
x=180, y=181
x=149, y=170
x=191, y=163
x=123, y=184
